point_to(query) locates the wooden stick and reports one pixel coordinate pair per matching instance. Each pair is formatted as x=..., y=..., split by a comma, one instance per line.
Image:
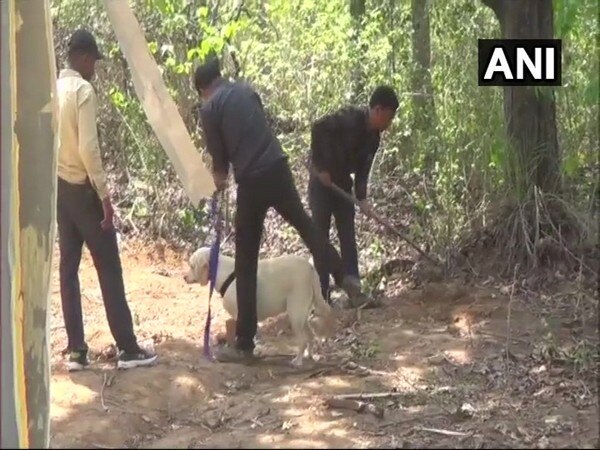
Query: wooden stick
x=444, y=432
x=384, y=222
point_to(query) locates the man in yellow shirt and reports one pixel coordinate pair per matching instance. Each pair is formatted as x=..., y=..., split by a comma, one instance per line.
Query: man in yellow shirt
x=85, y=213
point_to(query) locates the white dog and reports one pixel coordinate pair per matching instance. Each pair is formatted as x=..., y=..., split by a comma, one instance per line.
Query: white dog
x=284, y=284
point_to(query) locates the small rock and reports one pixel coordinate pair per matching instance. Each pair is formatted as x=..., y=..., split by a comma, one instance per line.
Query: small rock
x=544, y=442
x=539, y=369
x=467, y=410
x=109, y=352
x=287, y=425
x=505, y=290
x=436, y=359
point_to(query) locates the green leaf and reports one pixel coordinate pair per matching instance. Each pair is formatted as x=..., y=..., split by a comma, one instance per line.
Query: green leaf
x=118, y=98
x=230, y=30
x=193, y=53
x=161, y=5
x=203, y=12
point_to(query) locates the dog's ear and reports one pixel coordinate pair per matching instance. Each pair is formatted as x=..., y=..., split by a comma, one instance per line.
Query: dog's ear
x=203, y=273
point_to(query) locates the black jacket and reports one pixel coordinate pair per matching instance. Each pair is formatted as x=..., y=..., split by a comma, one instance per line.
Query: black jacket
x=236, y=132
x=341, y=144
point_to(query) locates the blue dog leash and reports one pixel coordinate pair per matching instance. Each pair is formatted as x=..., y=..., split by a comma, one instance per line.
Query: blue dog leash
x=213, y=263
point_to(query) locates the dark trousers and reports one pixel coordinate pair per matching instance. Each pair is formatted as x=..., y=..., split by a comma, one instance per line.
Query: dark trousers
x=79, y=213
x=273, y=188
x=325, y=203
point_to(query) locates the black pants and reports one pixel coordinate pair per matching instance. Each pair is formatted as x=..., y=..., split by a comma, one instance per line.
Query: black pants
x=79, y=213
x=273, y=188
x=325, y=203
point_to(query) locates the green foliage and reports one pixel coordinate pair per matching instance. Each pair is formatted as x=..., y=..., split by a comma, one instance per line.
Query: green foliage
x=302, y=55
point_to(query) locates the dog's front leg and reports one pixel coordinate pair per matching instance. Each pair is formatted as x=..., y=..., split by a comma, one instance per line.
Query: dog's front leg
x=309, y=350
x=298, y=360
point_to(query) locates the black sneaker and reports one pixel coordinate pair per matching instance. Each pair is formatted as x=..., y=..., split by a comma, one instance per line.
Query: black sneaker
x=139, y=359
x=78, y=360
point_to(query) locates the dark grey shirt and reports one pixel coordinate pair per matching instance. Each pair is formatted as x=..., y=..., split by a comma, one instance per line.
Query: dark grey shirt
x=236, y=132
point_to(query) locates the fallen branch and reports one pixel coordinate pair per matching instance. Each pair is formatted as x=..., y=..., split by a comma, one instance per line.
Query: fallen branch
x=371, y=396
x=444, y=432
x=355, y=405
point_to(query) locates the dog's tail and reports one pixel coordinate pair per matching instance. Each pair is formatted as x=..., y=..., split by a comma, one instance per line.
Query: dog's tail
x=323, y=312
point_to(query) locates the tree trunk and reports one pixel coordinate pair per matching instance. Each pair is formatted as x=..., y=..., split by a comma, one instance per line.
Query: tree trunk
x=421, y=80
x=530, y=113
x=424, y=117
x=357, y=11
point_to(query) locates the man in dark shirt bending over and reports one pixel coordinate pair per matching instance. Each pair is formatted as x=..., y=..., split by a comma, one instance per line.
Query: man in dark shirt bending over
x=345, y=143
x=236, y=132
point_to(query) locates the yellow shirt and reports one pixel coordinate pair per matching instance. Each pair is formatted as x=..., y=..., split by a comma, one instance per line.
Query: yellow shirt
x=78, y=150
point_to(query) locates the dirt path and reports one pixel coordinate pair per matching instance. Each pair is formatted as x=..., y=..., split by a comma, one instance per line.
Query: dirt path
x=442, y=350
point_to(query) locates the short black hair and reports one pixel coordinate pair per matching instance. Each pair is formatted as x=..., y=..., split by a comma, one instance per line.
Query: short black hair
x=82, y=41
x=384, y=96
x=206, y=73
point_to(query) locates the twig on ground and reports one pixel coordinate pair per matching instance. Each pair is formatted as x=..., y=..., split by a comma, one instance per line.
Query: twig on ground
x=502, y=336
x=355, y=405
x=102, y=393
x=106, y=382
x=369, y=396
x=444, y=432
x=508, y=314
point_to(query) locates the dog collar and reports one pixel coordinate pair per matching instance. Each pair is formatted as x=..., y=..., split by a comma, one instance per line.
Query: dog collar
x=227, y=283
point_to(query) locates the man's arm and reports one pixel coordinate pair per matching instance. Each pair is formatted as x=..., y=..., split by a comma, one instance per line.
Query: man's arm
x=88, y=140
x=320, y=148
x=214, y=143
x=361, y=177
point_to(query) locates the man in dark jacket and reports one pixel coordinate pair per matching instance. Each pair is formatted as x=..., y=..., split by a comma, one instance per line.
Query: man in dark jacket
x=236, y=132
x=344, y=143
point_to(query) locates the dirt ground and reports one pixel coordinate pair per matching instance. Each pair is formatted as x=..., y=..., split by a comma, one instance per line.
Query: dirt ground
x=440, y=351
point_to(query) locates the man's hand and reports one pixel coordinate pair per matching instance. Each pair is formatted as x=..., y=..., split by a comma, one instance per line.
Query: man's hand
x=325, y=178
x=107, y=222
x=365, y=206
x=220, y=180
